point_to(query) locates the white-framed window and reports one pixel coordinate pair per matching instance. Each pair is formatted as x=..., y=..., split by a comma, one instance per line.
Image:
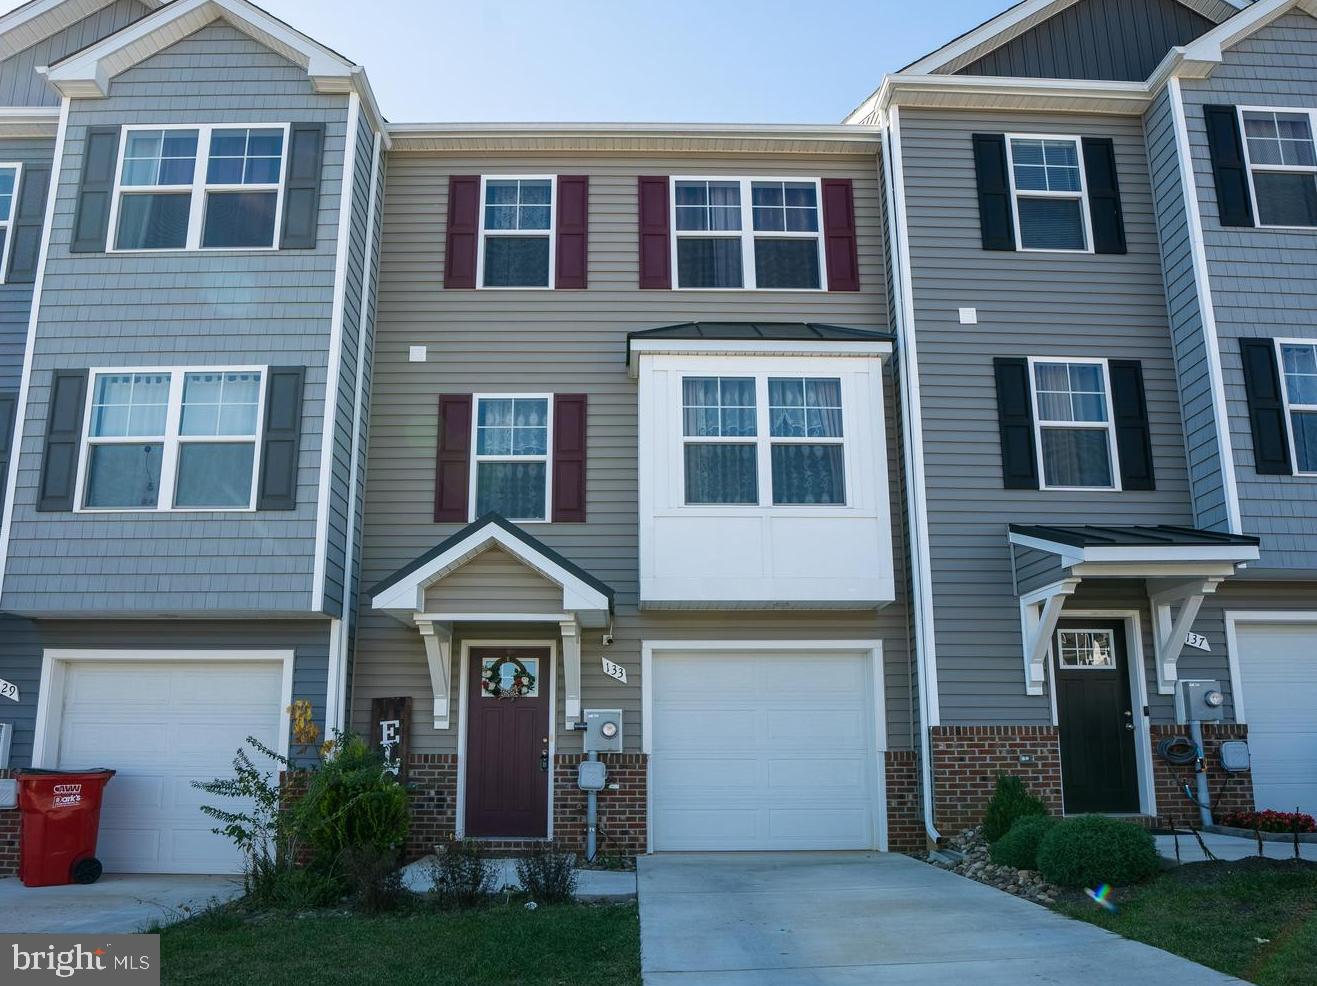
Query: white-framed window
x=1049, y=193
x=10, y=174
x=199, y=187
x=763, y=439
x=516, y=231
x=512, y=464
x=1282, y=165
x=172, y=439
x=747, y=233
x=1086, y=650
x=1073, y=421
x=1298, y=368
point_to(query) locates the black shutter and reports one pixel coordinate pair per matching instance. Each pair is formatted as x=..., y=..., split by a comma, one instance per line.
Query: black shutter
x=1133, y=440
x=1104, y=195
x=8, y=404
x=1266, y=407
x=1233, y=200
x=91, y=220
x=59, y=461
x=29, y=220
x=996, y=221
x=1019, y=461
x=281, y=438
x=306, y=151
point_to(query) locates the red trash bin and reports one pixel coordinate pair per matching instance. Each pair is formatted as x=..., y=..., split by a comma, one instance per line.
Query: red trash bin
x=60, y=814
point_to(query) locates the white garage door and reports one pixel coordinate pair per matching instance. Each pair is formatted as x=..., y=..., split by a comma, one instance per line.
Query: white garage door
x=1278, y=665
x=755, y=750
x=162, y=725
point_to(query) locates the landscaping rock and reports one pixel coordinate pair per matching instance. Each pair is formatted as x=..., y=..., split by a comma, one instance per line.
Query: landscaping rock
x=976, y=863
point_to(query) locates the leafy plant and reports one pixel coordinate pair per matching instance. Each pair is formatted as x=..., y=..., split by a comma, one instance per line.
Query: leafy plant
x=1091, y=849
x=264, y=832
x=1010, y=800
x=461, y=874
x=351, y=803
x=548, y=875
x=1271, y=821
x=373, y=879
x=1019, y=846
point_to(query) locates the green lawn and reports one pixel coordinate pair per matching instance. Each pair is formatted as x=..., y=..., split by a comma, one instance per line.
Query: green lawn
x=1255, y=919
x=503, y=944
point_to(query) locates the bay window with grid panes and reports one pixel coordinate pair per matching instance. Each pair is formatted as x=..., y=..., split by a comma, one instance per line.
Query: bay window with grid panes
x=1282, y=165
x=172, y=439
x=516, y=232
x=1048, y=193
x=1076, y=436
x=199, y=188
x=747, y=233
x=512, y=461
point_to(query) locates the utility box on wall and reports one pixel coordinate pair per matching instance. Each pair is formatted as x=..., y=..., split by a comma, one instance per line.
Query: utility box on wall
x=1202, y=700
x=603, y=730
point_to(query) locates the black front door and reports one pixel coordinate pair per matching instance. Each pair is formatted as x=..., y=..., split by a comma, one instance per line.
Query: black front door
x=1096, y=718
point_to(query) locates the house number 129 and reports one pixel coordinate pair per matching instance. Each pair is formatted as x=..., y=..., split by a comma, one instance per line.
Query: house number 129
x=8, y=690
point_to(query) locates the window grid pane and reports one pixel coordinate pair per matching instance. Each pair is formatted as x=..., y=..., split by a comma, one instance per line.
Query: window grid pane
x=1280, y=139
x=220, y=404
x=1299, y=363
x=785, y=206
x=1070, y=392
x=245, y=156
x=8, y=177
x=1086, y=649
x=159, y=157
x=1046, y=165
x=719, y=407
x=130, y=405
x=804, y=407
x=513, y=427
x=708, y=205
x=518, y=204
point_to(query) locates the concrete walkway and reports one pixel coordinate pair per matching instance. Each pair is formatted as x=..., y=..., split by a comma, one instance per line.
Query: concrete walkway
x=1228, y=847
x=114, y=904
x=847, y=919
x=591, y=885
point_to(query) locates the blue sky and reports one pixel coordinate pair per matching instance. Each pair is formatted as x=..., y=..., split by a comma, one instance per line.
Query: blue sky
x=752, y=61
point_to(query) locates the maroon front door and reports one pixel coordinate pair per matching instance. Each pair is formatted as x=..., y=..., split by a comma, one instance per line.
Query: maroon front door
x=507, y=743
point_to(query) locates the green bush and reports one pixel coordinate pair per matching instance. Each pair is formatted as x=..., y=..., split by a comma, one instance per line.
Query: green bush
x=1019, y=846
x=548, y=875
x=1011, y=800
x=351, y=803
x=461, y=875
x=1092, y=850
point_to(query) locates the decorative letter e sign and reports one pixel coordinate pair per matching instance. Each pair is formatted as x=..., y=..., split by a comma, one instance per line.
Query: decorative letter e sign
x=391, y=718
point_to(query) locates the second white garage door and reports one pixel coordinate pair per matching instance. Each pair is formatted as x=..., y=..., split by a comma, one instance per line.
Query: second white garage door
x=1278, y=668
x=162, y=725
x=763, y=751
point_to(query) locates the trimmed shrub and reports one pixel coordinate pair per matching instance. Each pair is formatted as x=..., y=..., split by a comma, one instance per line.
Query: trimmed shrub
x=1092, y=850
x=548, y=875
x=1011, y=800
x=1019, y=846
x=1271, y=821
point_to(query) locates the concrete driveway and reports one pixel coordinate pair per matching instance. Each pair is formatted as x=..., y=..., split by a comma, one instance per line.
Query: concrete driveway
x=846, y=919
x=114, y=904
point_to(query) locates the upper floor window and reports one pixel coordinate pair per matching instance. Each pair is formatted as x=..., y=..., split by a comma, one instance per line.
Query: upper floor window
x=202, y=187
x=516, y=232
x=1076, y=436
x=1047, y=193
x=512, y=460
x=753, y=233
x=1298, y=362
x=1282, y=166
x=172, y=439
x=733, y=426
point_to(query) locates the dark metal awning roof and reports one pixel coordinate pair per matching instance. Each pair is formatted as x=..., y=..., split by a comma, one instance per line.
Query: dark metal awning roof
x=1154, y=536
x=772, y=337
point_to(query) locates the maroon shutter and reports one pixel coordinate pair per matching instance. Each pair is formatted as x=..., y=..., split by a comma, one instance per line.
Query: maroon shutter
x=452, y=472
x=569, y=458
x=655, y=249
x=572, y=245
x=463, y=231
x=839, y=235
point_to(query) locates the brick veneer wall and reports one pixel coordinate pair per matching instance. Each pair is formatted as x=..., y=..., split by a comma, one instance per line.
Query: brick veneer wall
x=905, y=820
x=968, y=759
x=432, y=778
x=1229, y=792
x=8, y=836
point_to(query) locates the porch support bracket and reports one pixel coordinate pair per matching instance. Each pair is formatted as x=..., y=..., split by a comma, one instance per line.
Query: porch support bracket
x=438, y=638
x=1039, y=612
x=571, y=667
x=1172, y=627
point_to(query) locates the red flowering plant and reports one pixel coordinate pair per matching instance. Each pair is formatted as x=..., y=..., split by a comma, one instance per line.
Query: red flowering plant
x=1271, y=821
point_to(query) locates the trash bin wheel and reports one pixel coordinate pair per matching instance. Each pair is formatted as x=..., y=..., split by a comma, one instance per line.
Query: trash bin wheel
x=87, y=870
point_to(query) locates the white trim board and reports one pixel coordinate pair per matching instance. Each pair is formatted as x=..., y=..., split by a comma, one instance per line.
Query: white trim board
x=872, y=648
x=54, y=661
x=1234, y=617
x=464, y=682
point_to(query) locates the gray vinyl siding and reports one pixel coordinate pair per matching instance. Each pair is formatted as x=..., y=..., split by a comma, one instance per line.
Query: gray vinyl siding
x=1035, y=569
x=1202, y=444
x=16, y=299
x=175, y=309
x=22, y=643
x=20, y=85
x=570, y=342
x=1096, y=39
x=1264, y=281
x=1029, y=304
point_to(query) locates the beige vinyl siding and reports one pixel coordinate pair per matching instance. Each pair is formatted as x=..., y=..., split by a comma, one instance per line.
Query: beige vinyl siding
x=494, y=582
x=533, y=341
